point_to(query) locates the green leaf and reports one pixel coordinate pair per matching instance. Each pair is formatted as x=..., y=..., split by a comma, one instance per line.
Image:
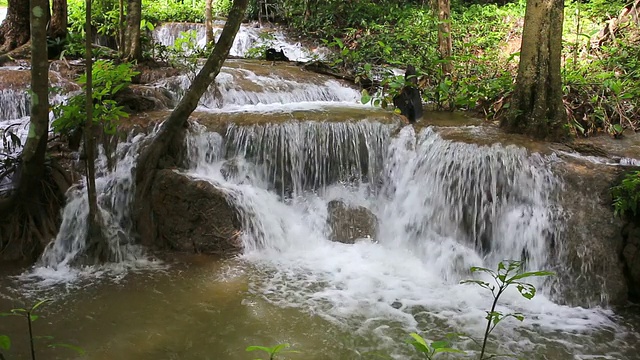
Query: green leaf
x=439, y=344
x=5, y=342
x=365, y=97
x=530, y=274
x=77, y=349
x=33, y=317
x=419, y=343
x=40, y=303
x=449, y=350
x=258, y=348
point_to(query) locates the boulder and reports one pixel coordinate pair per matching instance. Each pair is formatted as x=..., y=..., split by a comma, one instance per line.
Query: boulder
x=348, y=223
x=589, y=270
x=193, y=215
x=631, y=258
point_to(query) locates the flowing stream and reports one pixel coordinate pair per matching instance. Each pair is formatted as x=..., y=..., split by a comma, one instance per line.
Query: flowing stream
x=297, y=142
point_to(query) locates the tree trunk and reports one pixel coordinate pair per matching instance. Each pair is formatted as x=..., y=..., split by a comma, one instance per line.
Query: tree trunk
x=536, y=104
x=149, y=159
x=97, y=248
x=208, y=21
x=121, y=27
x=444, y=35
x=22, y=214
x=14, y=30
x=33, y=154
x=58, y=26
x=133, y=48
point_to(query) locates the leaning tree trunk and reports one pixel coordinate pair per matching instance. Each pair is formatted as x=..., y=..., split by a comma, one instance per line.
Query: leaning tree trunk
x=132, y=46
x=58, y=26
x=536, y=104
x=444, y=35
x=208, y=21
x=149, y=159
x=14, y=30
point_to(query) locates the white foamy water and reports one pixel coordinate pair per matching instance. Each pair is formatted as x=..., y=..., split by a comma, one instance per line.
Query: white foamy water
x=443, y=207
x=3, y=13
x=63, y=260
x=249, y=36
x=265, y=93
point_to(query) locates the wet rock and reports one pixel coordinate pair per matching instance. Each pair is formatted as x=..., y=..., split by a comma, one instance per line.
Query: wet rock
x=138, y=98
x=590, y=272
x=194, y=215
x=229, y=169
x=348, y=223
x=631, y=257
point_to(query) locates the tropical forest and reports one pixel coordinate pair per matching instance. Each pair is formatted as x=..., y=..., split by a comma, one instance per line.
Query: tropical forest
x=319, y=180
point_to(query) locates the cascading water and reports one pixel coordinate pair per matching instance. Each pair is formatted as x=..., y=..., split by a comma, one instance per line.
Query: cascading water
x=249, y=36
x=243, y=89
x=114, y=186
x=443, y=207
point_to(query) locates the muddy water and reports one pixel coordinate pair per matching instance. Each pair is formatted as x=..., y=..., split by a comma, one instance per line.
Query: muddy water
x=199, y=307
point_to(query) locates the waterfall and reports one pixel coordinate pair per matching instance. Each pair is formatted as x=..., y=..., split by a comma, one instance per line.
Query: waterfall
x=443, y=207
x=115, y=189
x=242, y=89
x=249, y=36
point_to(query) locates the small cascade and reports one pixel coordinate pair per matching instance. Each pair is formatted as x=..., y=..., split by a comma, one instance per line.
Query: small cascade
x=14, y=104
x=496, y=201
x=115, y=194
x=14, y=97
x=3, y=13
x=310, y=156
x=236, y=88
x=249, y=36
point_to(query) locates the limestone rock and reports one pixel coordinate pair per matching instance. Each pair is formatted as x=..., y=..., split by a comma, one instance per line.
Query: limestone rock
x=631, y=257
x=194, y=215
x=350, y=223
x=590, y=265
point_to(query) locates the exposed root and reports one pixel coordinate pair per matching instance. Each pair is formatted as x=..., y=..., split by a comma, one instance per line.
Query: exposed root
x=31, y=224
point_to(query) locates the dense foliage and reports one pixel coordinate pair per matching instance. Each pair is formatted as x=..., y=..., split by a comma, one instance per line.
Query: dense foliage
x=626, y=195
x=601, y=82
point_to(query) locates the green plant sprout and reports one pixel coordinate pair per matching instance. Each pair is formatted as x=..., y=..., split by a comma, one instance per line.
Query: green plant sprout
x=431, y=350
x=30, y=316
x=509, y=273
x=273, y=350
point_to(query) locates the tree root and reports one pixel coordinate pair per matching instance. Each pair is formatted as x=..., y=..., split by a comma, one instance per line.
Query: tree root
x=30, y=224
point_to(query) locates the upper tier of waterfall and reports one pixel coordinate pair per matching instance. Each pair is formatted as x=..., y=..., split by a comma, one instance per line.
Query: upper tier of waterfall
x=249, y=36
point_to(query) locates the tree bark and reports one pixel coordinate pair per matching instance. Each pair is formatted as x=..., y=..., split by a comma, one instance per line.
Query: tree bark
x=97, y=248
x=121, y=28
x=148, y=161
x=58, y=26
x=14, y=30
x=208, y=21
x=444, y=35
x=33, y=153
x=22, y=213
x=536, y=104
x=133, y=47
